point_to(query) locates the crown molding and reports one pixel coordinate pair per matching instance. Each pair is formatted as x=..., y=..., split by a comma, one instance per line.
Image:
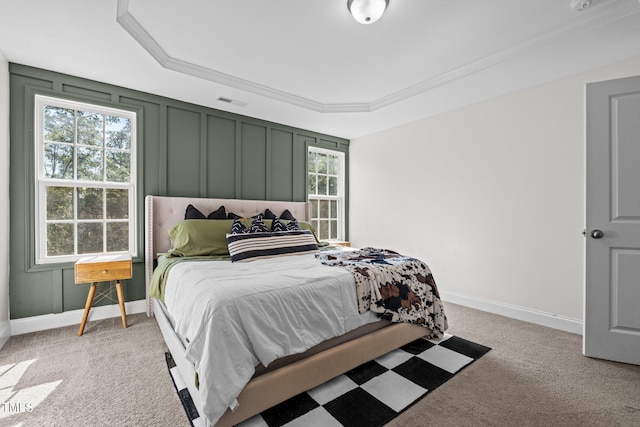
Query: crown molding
x=148, y=43
x=591, y=20
x=589, y=23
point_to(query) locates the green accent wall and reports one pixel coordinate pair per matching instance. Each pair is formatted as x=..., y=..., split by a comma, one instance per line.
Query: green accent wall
x=182, y=150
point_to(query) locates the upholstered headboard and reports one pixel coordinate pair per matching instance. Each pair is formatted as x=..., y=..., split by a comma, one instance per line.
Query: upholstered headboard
x=162, y=213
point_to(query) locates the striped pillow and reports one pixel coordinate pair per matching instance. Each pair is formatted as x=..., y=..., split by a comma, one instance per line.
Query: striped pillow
x=252, y=246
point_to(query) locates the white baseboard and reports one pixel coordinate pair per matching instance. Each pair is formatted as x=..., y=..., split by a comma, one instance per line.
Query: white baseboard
x=532, y=316
x=50, y=321
x=5, y=332
x=73, y=317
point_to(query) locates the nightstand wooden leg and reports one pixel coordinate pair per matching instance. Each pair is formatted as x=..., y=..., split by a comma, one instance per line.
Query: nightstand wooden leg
x=87, y=307
x=123, y=312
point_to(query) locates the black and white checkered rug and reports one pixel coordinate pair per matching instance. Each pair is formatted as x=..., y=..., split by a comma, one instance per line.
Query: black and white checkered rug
x=369, y=395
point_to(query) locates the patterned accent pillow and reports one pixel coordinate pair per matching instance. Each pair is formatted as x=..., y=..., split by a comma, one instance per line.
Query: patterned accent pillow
x=278, y=225
x=253, y=246
x=238, y=227
x=257, y=225
x=293, y=225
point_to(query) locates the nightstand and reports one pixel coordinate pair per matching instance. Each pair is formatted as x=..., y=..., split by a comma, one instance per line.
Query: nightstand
x=103, y=268
x=338, y=243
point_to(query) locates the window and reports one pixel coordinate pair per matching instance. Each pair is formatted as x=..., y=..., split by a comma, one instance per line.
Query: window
x=85, y=180
x=325, y=189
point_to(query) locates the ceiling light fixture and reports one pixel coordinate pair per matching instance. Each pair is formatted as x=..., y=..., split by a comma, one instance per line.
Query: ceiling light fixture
x=367, y=11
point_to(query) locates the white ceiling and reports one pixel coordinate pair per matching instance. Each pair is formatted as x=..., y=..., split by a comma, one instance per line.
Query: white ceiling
x=309, y=64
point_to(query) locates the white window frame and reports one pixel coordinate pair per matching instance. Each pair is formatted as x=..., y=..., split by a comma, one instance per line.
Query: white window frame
x=339, y=198
x=42, y=182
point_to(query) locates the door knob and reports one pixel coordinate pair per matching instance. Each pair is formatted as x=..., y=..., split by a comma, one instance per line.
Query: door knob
x=597, y=234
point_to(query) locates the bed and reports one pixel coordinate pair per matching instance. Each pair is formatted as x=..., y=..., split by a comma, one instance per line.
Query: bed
x=363, y=340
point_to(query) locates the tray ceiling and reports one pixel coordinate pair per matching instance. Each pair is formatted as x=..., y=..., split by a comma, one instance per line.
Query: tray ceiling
x=309, y=64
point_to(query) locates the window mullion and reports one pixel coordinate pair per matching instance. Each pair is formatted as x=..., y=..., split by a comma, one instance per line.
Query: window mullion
x=75, y=145
x=131, y=213
x=75, y=220
x=104, y=220
x=104, y=149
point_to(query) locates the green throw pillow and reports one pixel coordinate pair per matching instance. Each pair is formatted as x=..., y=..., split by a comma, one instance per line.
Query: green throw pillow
x=200, y=237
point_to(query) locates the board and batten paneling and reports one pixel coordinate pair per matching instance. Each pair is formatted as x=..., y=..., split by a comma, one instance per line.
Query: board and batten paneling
x=183, y=150
x=253, y=169
x=221, y=156
x=281, y=161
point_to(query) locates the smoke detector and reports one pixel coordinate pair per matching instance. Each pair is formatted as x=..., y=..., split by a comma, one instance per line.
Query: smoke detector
x=581, y=4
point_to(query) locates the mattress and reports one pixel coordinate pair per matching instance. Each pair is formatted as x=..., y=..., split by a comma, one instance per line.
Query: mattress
x=235, y=317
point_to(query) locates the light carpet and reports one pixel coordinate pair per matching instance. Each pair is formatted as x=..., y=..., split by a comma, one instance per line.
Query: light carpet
x=533, y=376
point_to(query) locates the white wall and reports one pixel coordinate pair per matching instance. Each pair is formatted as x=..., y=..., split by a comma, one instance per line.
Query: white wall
x=5, y=330
x=491, y=196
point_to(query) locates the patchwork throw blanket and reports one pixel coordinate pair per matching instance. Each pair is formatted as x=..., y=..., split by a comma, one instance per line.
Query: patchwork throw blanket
x=395, y=287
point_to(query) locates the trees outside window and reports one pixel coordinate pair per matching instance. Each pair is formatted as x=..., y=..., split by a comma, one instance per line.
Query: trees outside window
x=325, y=190
x=85, y=183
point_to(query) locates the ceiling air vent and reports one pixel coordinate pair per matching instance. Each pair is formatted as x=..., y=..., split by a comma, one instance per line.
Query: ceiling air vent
x=231, y=101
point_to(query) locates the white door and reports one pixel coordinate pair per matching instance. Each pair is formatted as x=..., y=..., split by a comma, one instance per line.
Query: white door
x=612, y=292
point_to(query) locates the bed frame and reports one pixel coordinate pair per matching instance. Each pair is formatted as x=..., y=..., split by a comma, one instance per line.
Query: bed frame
x=277, y=385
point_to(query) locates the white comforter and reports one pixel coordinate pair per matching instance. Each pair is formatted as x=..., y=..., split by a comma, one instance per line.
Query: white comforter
x=236, y=315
